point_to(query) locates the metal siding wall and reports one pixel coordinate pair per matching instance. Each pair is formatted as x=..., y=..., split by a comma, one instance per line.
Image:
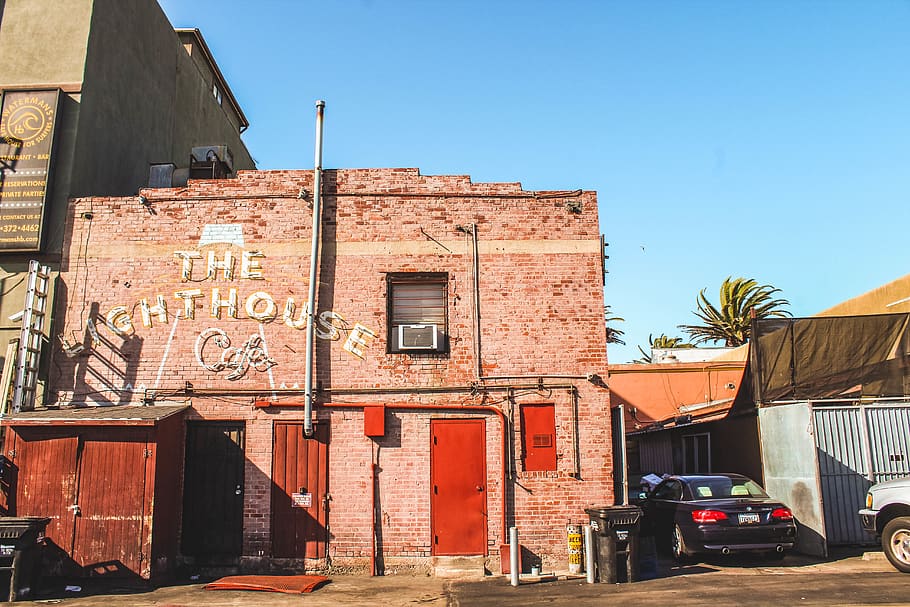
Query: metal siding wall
x=889, y=431
x=790, y=470
x=655, y=453
x=843, y=471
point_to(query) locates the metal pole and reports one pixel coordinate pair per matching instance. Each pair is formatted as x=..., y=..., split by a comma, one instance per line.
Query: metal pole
x=314, y=269
x=589, y=553
x=513, y=555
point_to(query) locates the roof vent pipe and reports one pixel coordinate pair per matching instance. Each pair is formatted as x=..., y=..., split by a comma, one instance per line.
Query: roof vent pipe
x=314, y=269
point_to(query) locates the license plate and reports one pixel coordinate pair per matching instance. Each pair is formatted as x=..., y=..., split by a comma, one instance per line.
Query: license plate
x=749, y=519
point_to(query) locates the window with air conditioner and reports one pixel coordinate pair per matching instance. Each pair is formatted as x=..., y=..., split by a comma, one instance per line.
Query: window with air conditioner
x=418, y=312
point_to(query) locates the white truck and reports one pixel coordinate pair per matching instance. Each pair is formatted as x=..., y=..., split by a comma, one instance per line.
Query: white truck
x=887, y=514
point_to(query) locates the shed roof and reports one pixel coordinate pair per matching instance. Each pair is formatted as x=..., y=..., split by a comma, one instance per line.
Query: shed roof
x=123, y=415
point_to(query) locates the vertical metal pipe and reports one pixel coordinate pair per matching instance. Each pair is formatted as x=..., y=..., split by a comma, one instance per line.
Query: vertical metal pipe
x=314, y=274
x=476, y=302
x=589, y=553
x=513, y=555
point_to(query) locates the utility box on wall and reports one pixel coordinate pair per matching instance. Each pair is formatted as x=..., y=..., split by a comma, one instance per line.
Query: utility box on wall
x=374, y=420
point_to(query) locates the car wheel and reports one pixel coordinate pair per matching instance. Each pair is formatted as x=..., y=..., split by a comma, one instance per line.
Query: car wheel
x=896, y=543
x=678, y=545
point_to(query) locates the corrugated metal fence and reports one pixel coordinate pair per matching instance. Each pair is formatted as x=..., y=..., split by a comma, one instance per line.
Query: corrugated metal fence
x=857, y=447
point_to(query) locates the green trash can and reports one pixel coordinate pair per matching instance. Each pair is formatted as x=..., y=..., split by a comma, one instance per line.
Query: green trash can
x=616, y=530
x=21, y=540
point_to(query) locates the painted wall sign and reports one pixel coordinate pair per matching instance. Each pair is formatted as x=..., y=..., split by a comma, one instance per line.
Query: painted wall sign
x=219, y=349
x=27, y=123
x=239, y=360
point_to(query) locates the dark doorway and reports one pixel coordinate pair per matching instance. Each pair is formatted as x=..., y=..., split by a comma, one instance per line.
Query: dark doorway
x=213, y=492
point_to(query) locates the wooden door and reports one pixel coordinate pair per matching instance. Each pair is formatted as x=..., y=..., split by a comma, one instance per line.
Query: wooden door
x=458, y=501
x=113, y=522
x=43, y=468
x=213, y=492
x=299, y=489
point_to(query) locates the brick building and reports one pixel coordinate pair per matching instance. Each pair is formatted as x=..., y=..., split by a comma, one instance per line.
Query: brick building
x=460, y=345
x=93, y=94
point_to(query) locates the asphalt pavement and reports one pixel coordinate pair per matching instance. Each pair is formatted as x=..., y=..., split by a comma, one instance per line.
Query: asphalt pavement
x=843, y=579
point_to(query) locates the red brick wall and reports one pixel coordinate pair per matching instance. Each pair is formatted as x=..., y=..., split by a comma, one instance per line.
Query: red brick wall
x=541, y=305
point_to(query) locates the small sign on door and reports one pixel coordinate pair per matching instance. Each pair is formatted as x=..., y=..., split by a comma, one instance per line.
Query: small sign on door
x=302, y=500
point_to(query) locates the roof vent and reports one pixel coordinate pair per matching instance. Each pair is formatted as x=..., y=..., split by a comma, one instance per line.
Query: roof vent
x=161, y=175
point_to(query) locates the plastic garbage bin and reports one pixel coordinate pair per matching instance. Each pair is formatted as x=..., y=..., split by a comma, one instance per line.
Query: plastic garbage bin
x=616, y=531
x=21, y=540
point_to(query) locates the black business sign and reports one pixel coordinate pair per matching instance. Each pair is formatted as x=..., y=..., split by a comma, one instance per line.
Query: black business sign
x=27, y=123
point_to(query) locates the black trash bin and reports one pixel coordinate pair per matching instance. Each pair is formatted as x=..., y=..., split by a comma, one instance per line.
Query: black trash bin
x=21, y=540
x=616, y=542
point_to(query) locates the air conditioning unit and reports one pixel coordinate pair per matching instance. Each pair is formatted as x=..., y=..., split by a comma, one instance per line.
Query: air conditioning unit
x=418, y=337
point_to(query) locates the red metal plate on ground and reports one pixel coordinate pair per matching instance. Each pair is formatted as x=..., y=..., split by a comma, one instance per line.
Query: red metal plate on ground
x=289, y=584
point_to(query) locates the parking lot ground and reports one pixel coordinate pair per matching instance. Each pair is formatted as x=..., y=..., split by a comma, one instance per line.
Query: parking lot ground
x=843, y=579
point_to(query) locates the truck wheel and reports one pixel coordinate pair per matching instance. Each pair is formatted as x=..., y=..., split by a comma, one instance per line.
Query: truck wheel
x=896, y=543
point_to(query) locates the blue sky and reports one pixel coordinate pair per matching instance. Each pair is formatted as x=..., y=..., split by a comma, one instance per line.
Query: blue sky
x=765, y=139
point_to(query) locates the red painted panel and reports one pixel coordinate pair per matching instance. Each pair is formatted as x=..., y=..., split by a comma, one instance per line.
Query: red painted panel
x=374, y=420
x=111, y=529
x=299, y=465
x=458, y=502
x=538, y=436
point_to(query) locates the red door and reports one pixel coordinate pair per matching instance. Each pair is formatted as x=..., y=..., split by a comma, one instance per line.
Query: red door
x=113, y=522
x=299, y=488
x=45, y=461
x=91, y=482
x=458, y=500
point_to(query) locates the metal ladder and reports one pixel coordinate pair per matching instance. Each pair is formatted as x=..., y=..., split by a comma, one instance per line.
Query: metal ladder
x=29, y=354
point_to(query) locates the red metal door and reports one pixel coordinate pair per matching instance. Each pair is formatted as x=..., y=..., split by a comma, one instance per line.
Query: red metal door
x=300, y=468
x=111, y=525
x=458, y=501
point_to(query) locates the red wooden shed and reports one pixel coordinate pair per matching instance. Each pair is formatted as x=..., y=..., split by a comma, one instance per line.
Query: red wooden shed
x=119, y=471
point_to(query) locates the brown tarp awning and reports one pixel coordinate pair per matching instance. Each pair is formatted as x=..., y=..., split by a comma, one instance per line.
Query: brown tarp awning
x=831, y=357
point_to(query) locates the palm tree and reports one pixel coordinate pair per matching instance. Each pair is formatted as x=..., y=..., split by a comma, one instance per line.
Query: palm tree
x=731, y=322
x=614, y=335
x=662, y=341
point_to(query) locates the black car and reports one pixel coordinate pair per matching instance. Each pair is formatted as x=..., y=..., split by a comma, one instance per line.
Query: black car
x=717, y=513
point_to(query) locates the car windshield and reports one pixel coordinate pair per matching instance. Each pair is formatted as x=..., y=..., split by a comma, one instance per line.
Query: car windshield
x=721, y=486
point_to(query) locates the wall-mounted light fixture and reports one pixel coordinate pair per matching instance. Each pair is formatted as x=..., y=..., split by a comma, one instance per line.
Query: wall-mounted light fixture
x=70, y=349
x=574, y=206
x=144, y=201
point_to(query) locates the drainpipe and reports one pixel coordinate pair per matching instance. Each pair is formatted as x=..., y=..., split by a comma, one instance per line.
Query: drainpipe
x=314, y=268
x=477, y=351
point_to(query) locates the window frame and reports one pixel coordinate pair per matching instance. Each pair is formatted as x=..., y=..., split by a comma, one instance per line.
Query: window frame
x=427, y=278
x=693, y=441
